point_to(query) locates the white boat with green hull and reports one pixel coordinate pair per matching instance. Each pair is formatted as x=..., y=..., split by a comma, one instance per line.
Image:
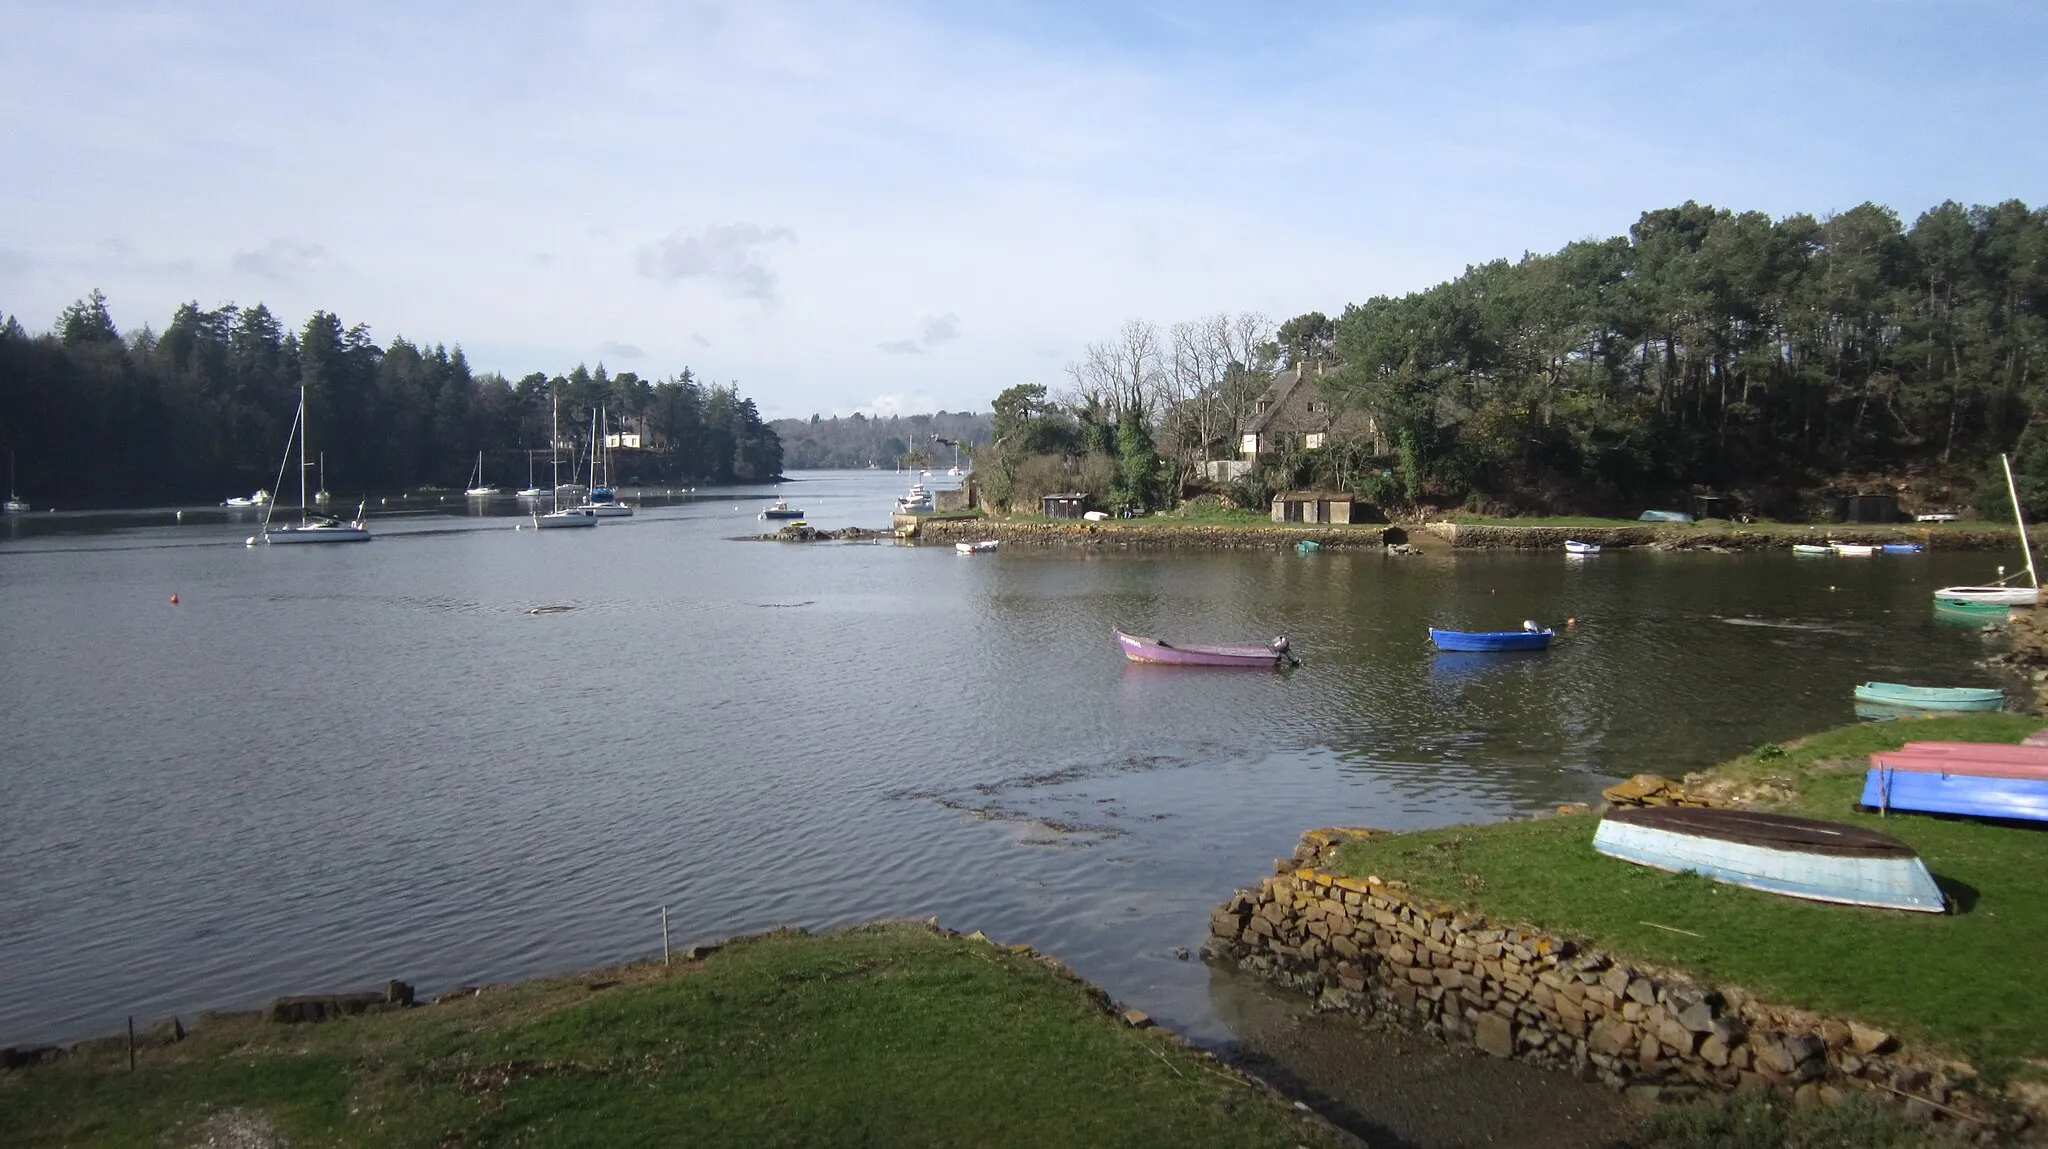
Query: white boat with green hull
x=1998, y=594
x=311, y=527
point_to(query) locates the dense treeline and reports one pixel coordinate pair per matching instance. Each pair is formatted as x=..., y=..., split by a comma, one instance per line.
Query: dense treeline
x=1706, y=351
x=898, y=440
x=205, y=408
x=1711, y=349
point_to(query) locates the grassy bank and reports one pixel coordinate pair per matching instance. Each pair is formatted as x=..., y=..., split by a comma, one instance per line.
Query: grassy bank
x=881, y=1035
x=1967, y=981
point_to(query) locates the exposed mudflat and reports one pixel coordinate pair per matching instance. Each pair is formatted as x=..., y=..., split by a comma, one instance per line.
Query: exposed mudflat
x=1400, y=1090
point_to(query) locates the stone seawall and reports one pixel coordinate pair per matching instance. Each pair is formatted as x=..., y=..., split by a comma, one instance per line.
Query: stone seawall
x=1153, y=533
x=1686, y=536
x=1368, y=946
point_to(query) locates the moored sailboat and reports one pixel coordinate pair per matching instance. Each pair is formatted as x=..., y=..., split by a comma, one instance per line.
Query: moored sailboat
x=560, y=516
x=477, y=488
x=311, y=527
x=1998, y=593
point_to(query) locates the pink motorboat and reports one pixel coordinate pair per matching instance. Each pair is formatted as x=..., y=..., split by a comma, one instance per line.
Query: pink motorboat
x=1156, y=650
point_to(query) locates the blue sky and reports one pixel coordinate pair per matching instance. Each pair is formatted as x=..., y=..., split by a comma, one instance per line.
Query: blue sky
x=907, y=206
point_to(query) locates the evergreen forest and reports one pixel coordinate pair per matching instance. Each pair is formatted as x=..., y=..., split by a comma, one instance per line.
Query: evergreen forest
x=881, y=441
x=204, y=410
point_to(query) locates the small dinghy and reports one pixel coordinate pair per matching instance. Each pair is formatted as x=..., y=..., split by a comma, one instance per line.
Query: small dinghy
x=1161, y=652
x=1991, y=595
x=1664, y=517
x=1964, y=606
x=1776, y=853
x=1931, y=697
x=1575, y=547
x=1855, y=550
x=1902, y=548
x=980, y=548
x=1811, y=549
x=1973, y=779
x=1527, y=638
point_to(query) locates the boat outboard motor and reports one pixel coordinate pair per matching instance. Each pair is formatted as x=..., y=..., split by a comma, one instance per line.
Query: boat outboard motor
x=1529, y=624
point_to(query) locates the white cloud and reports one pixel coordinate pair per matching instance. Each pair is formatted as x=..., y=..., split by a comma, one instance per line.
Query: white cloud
x=902, y=347
x=730, y=255
x=281, y=260
x=618, y=350
x=941, y=329
x=883, y=406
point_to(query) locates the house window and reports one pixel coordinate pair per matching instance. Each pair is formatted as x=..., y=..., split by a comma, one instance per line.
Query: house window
x=1312, y=440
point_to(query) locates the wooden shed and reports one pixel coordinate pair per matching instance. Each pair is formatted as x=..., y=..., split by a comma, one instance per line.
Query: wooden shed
x=1064, y=506
x=1312, y=507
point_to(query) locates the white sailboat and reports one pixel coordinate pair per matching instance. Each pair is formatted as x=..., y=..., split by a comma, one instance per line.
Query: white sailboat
x=15, y=504
x=529, y=491
x=477, y=489
x=1999, y=594
x=311, y=528
x=602, y=500
x=560, y=516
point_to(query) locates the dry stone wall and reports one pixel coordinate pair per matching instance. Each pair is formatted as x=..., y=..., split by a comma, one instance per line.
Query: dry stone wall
x=1371, y=947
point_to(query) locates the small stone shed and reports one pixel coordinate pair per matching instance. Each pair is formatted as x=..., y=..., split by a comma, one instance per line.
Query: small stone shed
x=1063, y=506
x=1312, y=507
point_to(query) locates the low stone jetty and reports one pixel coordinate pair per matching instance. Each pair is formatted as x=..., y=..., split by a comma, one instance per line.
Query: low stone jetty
x=1369, y=947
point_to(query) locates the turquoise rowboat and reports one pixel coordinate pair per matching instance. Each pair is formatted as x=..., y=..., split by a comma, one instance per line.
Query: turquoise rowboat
x=1776, y=853
x=1931, y=697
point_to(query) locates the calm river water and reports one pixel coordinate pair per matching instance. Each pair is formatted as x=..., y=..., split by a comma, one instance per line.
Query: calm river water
x=329, y=766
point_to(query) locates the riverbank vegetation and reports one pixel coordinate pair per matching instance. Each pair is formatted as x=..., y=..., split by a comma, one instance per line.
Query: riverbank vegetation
x=879, y=1035
x=203, y=410
x=1966, y=981
x=1774, y=362
x=881, y=442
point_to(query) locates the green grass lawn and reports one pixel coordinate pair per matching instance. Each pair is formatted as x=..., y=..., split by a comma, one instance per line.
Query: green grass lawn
x=1968, y=981
x=880, y=1035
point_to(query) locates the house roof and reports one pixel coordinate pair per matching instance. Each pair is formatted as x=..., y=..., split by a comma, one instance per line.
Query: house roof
x=1273, y=400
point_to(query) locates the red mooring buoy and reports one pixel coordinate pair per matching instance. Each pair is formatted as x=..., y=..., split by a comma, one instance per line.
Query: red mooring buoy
x=174, y=600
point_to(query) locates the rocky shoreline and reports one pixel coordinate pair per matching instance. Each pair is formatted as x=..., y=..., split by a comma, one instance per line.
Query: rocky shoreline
x=1369, y=947
x=1690, y=536
x=1159, y=533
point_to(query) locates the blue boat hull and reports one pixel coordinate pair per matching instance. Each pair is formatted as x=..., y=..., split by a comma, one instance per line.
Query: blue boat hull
x=1490, y=640
x=1971, y=795
x=1886, y=883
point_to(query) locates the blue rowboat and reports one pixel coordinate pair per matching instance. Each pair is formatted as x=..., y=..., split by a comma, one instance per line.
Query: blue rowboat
x=1975, y=779
x=1902, y=548
x=1491, y=639
x=1663, y=517
x=1931, y=697
x=1776, y=853
x=1887, y=788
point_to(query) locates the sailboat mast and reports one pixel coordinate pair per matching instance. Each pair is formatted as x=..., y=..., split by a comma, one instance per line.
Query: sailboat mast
x=555, y=448
x=303, y=504
x=2019, y=518
x=593, y=452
